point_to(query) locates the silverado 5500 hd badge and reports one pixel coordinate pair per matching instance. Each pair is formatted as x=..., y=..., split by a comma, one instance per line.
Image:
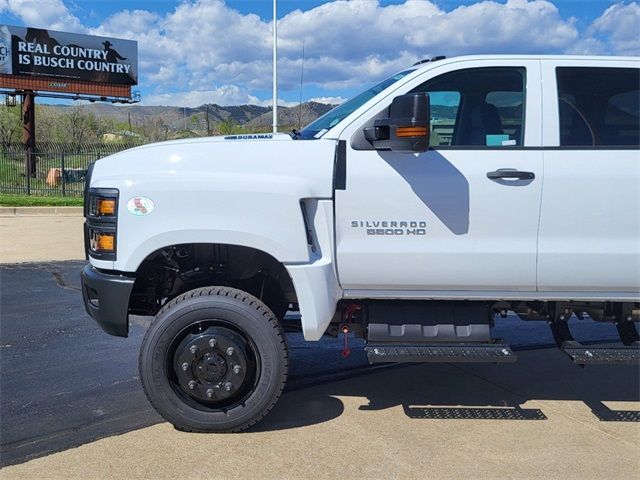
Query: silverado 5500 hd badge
x=391, y=227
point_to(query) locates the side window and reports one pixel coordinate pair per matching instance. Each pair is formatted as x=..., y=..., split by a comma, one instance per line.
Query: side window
x=598, y=106
x=477, y=107
x=510, y=107
x=444, y=112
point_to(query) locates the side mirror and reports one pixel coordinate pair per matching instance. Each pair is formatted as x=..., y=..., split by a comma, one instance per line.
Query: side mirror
x=408, y=127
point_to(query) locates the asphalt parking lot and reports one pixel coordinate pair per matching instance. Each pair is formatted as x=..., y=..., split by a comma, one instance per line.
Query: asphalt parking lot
x=71, y=405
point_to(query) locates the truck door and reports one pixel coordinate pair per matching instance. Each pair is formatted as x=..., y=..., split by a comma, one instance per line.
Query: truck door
x=590, y=215
x=461, y=218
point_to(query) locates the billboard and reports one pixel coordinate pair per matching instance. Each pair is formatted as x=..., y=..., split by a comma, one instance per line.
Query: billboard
x=59, y=57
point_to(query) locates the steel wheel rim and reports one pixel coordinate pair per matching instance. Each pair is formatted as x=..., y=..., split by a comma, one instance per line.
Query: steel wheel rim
x=223, y=379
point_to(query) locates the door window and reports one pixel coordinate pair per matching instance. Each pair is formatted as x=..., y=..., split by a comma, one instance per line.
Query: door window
x=599, y=106
x=444, y=112
x=477, y=107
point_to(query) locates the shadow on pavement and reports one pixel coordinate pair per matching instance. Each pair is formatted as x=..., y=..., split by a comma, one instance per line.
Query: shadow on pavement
x=472, y=392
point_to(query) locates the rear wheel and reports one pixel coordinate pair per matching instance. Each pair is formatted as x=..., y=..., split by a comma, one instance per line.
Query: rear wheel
x=214, y=360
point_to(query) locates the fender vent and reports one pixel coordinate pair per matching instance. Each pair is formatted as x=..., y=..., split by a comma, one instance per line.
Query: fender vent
x=307, y=226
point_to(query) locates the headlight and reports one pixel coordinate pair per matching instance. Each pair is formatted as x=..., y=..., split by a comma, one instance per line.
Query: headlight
x=102, y=203
x=102, y=242
x=101, y=212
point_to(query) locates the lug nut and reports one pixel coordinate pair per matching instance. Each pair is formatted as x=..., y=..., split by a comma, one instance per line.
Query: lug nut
x=212, y=342
x=236, y=369
x=230, y=351
x=185, y=366
x=192, y=384
x=193, y=349
x=209, y=392
x=228, y=386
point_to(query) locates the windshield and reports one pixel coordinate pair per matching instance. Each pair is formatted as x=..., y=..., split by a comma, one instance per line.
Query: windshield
x=318, y=127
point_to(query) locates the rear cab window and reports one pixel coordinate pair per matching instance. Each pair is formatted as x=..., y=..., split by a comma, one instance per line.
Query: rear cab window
x=598, y=106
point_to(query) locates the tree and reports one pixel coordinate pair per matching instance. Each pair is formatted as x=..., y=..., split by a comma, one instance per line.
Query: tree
x=10, y=125
x=156, y=129
x=77, y=126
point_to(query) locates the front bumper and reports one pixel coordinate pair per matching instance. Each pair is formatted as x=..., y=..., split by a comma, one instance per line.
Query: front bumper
x=106, y=299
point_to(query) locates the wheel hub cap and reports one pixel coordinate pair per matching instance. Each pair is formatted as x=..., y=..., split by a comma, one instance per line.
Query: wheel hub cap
x=211, y=366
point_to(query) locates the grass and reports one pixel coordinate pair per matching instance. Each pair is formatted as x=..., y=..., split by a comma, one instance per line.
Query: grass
x=38, y=201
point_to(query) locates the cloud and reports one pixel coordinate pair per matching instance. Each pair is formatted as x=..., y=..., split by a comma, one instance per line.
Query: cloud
x=205, y=50
x=615, y=32
x=328, y=100
x=225, y=95
x=51, y=14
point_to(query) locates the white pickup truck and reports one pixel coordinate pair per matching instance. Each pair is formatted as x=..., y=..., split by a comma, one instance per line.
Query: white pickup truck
x=413, y=215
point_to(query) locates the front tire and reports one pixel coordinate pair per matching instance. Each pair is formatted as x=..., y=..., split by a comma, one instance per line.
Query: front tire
x=214, y=360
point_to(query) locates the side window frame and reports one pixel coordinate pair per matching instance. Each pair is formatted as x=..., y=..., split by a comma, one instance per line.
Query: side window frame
x=351, y=129
x=550, y=101
x=462, y=108
x=595, y=126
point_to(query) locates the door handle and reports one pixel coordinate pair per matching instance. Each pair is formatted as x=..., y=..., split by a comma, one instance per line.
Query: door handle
x=509, y=173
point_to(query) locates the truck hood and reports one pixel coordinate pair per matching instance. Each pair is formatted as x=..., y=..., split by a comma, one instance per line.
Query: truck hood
x=253, y=162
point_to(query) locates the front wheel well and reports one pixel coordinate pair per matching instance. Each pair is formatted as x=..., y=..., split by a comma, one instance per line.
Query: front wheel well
x=175, y=269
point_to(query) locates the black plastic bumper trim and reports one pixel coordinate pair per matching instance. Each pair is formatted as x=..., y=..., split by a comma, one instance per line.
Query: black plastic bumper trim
x=106, y=299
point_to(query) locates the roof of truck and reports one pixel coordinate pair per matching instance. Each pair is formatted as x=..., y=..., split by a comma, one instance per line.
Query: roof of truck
x=586, y=58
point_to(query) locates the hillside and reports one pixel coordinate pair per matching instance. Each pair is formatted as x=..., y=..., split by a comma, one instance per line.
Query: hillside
x=180, y=119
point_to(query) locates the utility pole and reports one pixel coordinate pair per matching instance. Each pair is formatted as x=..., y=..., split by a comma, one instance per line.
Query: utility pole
x=275, y=68
x=301, y=81
x=29, y=131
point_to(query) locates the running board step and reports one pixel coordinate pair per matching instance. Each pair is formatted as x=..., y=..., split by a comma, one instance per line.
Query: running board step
x=479, y=353
x=596, y=355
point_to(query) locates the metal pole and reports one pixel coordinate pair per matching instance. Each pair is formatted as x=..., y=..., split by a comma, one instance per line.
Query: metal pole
x=62, y=174
x=275, y=68
x=29, y=131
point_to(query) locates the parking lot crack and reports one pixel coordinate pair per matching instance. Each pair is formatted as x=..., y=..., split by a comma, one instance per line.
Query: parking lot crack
x=60, y=280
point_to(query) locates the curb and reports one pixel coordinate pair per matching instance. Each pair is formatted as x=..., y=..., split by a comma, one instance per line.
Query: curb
x=40, y=211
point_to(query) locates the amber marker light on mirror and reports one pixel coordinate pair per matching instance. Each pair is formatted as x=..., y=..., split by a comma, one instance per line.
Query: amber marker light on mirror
x=411, y=131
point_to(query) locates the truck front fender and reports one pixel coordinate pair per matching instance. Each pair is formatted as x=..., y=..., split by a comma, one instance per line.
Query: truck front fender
x=316, y=282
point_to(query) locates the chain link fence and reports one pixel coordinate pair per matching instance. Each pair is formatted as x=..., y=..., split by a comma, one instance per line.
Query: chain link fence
x=60, y=168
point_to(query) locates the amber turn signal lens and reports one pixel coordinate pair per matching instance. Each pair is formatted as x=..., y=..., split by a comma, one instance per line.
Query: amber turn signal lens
x=106, y=242
x=411, y=131
x=106, y=206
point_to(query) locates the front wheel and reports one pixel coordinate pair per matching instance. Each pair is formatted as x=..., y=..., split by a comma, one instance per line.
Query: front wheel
x=214, y=360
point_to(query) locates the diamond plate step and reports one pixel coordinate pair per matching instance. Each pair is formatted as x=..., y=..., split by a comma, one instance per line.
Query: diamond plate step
x=470, y=353
x=585, y=355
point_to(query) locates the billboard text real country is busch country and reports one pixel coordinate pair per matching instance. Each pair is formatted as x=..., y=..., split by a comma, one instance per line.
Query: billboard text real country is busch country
x=47, y=53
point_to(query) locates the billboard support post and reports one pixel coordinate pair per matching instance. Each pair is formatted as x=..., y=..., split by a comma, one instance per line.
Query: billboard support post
x=29, y=131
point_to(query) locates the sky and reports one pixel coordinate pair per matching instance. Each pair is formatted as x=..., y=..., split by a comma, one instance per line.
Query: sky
x=193, y=52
